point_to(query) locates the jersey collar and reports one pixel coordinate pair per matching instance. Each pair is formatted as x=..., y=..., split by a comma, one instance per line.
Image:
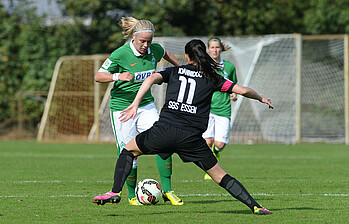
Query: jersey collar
x=135, y=52
x=221, y=63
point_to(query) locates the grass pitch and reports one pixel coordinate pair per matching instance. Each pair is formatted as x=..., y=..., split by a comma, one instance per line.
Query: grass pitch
x=55, y=183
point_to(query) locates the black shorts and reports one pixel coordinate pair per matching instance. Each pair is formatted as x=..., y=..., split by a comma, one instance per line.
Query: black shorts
x=164, y=140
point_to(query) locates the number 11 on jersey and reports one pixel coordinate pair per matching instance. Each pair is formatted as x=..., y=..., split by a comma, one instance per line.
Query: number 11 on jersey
x=183, y=87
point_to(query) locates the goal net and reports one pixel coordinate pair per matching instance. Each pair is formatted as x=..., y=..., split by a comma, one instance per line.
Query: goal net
x=305, y=83
x=322, y=98
x=69, y=109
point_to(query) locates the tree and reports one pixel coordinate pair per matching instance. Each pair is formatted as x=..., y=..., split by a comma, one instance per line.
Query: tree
x=327, y=17
x=103, y=34
x=11, y=70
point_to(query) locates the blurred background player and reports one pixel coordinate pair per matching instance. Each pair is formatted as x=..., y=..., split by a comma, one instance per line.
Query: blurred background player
x=129, y=66
x=183, y=119
x=218, y=129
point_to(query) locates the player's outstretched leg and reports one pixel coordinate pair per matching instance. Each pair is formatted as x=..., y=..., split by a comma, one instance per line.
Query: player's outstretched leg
x=232, y=185
x=215, y=153
x=122, y=170
x=238, y=191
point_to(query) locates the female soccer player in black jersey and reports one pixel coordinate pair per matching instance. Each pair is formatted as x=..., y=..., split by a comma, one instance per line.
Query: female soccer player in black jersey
x=183, y=119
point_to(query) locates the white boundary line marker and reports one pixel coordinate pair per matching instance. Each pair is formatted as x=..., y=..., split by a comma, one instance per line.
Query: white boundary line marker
x=182, y=195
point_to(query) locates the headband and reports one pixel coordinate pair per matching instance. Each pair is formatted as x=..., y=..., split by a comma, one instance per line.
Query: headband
x=142, y=31
x=214, y=39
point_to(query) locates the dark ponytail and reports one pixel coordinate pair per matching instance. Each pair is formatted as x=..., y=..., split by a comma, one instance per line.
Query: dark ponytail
x=196, y=50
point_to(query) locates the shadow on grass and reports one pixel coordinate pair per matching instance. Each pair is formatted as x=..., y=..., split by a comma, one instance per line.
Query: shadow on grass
x=301, y=208
x=152, y=213
x=227, y=211
x=225, y=200
x=167, y=212
x=210, y=201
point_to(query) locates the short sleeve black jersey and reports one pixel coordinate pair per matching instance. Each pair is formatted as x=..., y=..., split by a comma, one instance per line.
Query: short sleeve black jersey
x=188, y=97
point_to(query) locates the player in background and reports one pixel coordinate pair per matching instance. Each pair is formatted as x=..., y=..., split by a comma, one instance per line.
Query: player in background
x=129, y=66
x=182, y=121
x=218, y=130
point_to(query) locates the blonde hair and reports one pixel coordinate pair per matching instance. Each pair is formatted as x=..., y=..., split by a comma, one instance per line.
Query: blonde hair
x=132, y=25
x=224, y=46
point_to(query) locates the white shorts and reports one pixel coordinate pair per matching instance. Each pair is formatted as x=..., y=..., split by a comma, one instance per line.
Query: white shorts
x=126, y=131
x=218, y=128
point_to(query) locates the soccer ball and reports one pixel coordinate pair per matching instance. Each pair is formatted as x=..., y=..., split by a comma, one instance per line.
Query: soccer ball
x=148, y=192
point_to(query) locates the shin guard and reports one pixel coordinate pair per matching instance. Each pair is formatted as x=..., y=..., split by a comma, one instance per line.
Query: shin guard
x=122, y=169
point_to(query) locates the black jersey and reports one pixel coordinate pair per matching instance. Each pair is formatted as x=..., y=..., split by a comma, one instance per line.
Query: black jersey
x=188, y=97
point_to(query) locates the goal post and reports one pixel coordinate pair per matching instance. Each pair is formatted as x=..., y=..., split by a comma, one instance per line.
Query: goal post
x=346, y=86
x=298, y=86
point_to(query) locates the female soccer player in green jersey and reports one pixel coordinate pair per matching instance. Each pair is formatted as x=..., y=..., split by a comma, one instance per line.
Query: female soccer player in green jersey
x=129, y=66
x=217, y=133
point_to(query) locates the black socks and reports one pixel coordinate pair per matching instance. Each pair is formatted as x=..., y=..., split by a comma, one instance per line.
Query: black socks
x=238, y=191
x=122, y=169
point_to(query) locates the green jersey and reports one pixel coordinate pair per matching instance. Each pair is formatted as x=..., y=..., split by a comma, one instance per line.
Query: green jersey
x=128, y=59
x=220, y=104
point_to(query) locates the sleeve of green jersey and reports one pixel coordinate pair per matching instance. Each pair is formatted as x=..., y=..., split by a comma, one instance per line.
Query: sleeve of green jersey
x=111, y=64
x=231, y=70
x=158, y=50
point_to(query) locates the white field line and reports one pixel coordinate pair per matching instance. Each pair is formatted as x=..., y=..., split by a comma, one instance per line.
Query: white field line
x=44, y=155
x=181, y=195
x=55, y=181
x=266, y=194
x=110, y=181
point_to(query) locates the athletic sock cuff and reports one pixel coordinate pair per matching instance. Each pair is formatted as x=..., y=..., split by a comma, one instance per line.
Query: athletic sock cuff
x=127, y=153
x=225, y=180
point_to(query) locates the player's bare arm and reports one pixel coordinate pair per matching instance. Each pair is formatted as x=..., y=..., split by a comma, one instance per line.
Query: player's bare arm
x=250, y=93
x=131, y=111
x=171, y=58
x=105, y=77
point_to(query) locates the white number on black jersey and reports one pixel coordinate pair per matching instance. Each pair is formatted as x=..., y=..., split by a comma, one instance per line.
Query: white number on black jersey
x=183, y=87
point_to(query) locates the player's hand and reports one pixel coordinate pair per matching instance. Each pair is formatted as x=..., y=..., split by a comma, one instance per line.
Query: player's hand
x=233, y=97
x=266, y=101
x=129, y=112
x=125, y=76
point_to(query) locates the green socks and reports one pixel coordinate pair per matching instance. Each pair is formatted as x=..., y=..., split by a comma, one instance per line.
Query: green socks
x=165, y=171
x=131, y=183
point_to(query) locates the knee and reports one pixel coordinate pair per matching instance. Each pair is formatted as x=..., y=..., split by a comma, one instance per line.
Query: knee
x=209, y=142
x=207, y=163
x=219, y=146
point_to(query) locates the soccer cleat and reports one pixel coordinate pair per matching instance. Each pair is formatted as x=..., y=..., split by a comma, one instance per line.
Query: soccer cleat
x=261, y=211
x=215, y=152
x=170, y=196
x=207, y=177
x=134, y=201
x=109, y=197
